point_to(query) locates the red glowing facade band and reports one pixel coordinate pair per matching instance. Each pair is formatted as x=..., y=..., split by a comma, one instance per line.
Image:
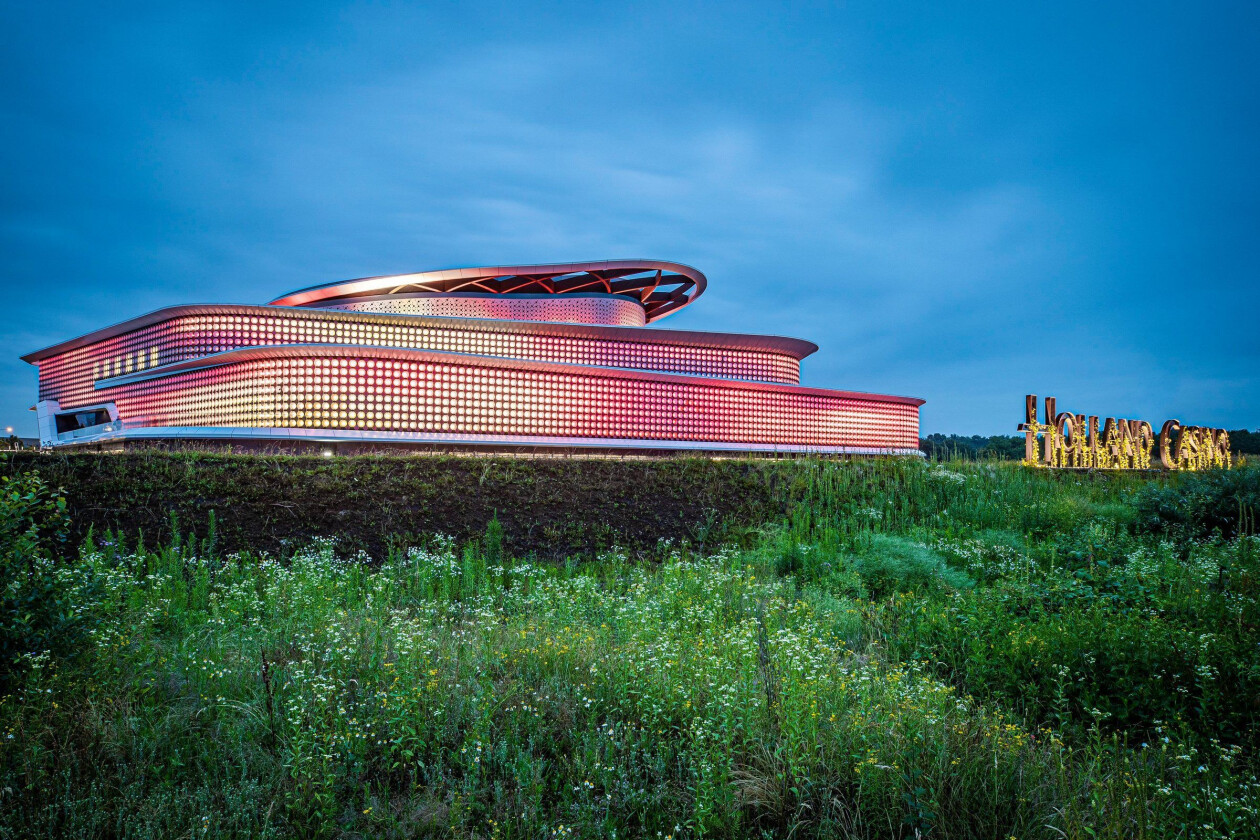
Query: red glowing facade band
x=513, y=356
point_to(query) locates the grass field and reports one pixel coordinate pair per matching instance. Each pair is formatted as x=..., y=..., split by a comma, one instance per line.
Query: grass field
x=914, y=650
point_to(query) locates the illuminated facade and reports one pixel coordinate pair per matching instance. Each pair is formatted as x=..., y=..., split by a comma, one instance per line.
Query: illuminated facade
x=503, y=357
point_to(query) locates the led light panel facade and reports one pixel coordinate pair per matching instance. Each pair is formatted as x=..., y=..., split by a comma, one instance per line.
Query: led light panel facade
x=519, y=356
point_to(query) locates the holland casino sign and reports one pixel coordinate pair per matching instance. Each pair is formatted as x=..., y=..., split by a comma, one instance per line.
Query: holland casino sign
x=1074, y=441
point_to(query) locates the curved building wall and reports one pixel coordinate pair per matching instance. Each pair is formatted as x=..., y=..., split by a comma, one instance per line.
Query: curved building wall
x=70, y=377
x=608, y=310
x=432, y=394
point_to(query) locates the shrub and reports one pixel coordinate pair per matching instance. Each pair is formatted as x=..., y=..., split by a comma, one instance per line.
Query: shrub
x=33, y=517
x=1199, y=504
x=36, y=613
x=895, y=564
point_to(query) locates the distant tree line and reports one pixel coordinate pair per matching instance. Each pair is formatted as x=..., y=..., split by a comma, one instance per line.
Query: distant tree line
x=1001, y=447
x=1245, y=442
x=1011, y=447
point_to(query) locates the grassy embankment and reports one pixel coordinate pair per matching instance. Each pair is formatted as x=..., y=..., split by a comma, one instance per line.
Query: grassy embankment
x=914, y=650
x=548, y=507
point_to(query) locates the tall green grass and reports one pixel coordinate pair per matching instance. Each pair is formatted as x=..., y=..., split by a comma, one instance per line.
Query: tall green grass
x=916, y=651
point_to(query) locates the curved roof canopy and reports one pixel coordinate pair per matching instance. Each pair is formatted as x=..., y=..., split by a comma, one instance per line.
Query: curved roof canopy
x=662, y=287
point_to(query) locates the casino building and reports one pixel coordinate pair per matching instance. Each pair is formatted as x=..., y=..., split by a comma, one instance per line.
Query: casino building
x=511, y=357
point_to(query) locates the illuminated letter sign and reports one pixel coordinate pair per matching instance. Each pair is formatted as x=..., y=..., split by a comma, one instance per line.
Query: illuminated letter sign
x=1074, y=441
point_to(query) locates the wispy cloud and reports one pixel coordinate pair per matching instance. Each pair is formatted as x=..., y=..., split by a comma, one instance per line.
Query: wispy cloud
x=923, y=202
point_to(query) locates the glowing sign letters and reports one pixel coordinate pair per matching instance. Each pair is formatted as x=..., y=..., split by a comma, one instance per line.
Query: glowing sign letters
x=1074, y=441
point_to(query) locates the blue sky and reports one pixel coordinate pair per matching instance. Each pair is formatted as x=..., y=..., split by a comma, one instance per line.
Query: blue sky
x=964, y=204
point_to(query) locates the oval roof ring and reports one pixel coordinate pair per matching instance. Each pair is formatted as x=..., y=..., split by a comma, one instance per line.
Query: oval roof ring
x=661, y=287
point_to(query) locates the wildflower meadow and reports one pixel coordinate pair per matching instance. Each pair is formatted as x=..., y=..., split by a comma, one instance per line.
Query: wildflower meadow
x=948, y=650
